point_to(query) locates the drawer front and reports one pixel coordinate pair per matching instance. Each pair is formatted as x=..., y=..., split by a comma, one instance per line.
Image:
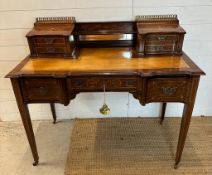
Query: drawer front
x=167, y=89
x=161, y=37
x=159, y=49
x=41, y=89
x=162, y=43
x=96, y=83
x=49, y=40
x=50, y=50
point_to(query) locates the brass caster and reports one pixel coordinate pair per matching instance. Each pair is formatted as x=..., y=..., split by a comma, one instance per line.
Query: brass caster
x=35, y=163
x=176, y=165
x=161, y=121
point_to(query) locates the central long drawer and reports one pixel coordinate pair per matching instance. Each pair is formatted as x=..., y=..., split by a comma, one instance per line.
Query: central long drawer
x=99, y=83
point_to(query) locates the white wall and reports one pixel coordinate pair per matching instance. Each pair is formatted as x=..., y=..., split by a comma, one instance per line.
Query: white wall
x=17, y=17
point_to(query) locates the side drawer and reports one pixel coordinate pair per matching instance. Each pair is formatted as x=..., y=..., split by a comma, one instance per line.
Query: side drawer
x=50, y=50
x=167, y=89
x=49, y=40
x=157, y=49
x=97, y=83
x=162, y=37
x=42, y=89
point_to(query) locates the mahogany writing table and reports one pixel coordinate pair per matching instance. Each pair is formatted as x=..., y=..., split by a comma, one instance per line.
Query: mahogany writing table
x=150, y=79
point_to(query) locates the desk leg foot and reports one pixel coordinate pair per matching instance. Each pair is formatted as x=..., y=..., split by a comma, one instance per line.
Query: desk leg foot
x=35, y=163
x=52, y=105
x=176, y=165
x=161, y=121
x=163, y=110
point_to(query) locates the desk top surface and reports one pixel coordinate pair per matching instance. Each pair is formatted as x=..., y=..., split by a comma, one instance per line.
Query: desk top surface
x=106, y=61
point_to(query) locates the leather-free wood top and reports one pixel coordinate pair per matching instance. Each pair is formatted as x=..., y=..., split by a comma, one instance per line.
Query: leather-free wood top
x=95, y=59
x=106, y=61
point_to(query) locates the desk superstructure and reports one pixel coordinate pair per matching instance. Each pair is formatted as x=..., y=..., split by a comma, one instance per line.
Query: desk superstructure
x=153, y=78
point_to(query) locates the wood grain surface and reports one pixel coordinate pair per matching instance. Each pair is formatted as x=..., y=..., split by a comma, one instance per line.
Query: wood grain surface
x=104, y=59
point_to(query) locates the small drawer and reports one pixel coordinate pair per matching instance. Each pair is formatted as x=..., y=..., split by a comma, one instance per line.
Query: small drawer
x=159, y=48
x=50, y=50
x=86, y=84
x=41, y=89
x=49, y=40
x=50, y=45
x=165, y=42
x=167, y=89
x=161, y=37
x=96, y=83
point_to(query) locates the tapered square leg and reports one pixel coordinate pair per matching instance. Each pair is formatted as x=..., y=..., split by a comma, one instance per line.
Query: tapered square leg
x=24, y=111
x=185, y=121
x=52, y=105
x=163, y=111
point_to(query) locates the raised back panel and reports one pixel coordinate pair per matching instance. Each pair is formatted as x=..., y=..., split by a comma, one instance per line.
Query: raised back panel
x=105, y=34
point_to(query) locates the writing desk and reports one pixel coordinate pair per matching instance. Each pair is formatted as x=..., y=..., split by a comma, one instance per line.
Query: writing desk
x=150, y=79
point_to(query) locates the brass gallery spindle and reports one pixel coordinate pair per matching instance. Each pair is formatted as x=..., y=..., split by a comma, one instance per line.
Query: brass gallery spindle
x=105, y=110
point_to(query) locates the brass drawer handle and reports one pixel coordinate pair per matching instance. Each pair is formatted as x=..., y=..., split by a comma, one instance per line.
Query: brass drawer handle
x=49, y=40
x=51, y=50
x=79, y=83
x=159, y=48
x=169, y=90
x=161, y=38
x=130, y=83
x=42, y=90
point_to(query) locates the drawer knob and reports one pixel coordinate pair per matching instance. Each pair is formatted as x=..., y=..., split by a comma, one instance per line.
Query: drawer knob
x=169, y=90
x=130, y=82
x=79, y=83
